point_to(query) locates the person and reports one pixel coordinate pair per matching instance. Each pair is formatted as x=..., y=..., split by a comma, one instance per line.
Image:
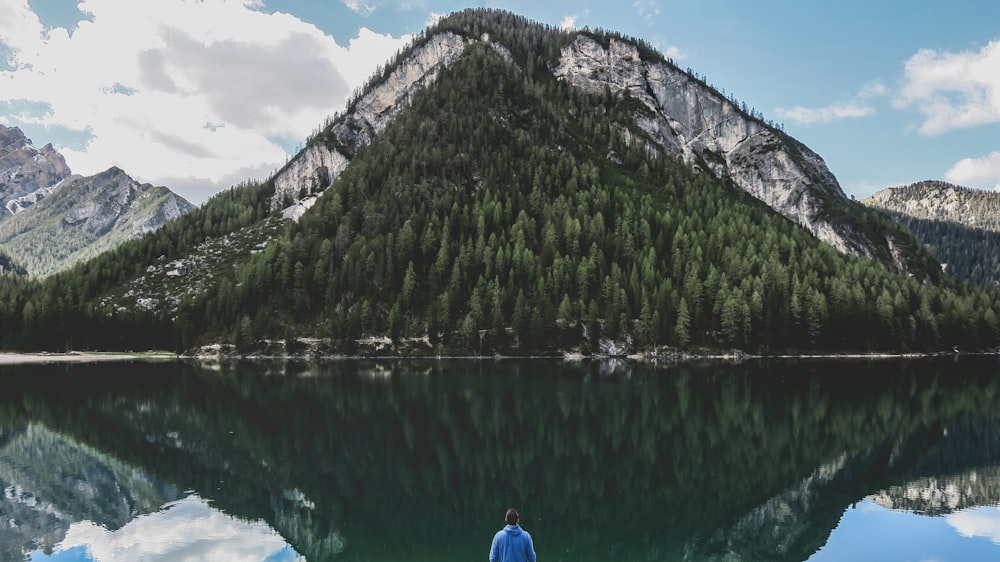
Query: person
x=512, y=543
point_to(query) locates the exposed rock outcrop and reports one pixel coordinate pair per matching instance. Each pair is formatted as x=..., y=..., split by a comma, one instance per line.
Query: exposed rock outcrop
x=940, y=201
x=319, y=164
x=27, y=174
x=694, y=121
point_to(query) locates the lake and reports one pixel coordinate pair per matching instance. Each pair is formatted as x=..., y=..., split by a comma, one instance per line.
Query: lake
x=820, y=460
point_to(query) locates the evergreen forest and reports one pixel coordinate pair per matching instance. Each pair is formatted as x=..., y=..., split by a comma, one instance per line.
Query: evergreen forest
x=967, y=253
x=505, y=211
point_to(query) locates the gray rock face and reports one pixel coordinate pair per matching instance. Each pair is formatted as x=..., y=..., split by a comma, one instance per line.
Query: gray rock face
x=27, y=174
x=318, y=165
x=688, y=119
x=86, y=216
x=312, y=170
x=940, y=201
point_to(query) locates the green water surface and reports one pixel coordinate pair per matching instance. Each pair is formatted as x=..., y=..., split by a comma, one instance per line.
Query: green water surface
x=894, y=459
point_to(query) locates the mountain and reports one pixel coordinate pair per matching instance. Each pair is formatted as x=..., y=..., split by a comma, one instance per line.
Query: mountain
x=52, y=219
x=941, y=496
x=941, y=201
x=50, y=482
x=481, y=194
x=796, y=523
x=674, y=113
x=27, y=174
x=85, y=216
x=961, y=226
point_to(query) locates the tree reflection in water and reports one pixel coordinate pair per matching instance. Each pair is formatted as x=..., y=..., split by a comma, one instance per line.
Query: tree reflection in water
x=368, y=460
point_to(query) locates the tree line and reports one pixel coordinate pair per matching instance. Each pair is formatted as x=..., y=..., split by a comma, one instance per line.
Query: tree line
x=503, y=211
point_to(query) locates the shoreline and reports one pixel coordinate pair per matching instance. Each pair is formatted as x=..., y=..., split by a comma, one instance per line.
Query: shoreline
x=23, y=358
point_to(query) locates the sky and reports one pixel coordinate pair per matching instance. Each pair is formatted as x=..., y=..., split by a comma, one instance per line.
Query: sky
x=199, y=95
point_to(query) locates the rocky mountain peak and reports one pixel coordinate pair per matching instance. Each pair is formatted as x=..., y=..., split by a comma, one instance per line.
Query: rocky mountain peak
x=85, y=216
x=27, y=173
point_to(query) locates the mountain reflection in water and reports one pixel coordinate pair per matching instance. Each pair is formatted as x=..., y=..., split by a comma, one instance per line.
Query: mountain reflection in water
x=386, y=460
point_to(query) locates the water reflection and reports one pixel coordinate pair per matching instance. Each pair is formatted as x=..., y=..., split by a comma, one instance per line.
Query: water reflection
x=417, y=460
x=185, y=530
x=981, y=522
x=872, y=532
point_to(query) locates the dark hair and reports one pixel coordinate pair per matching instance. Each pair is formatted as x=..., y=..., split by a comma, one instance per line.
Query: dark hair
x=512, y=516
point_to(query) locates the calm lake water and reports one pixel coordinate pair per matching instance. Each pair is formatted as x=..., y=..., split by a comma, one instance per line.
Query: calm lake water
x=418, y=460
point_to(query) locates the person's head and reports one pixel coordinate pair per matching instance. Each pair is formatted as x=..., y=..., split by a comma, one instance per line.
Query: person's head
x=512, y=516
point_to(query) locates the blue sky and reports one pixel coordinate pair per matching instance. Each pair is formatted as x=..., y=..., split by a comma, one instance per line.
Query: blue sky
x=201, y=95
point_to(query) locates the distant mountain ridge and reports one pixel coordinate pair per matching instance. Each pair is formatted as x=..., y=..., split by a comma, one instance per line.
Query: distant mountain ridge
x=960, y=225
x=86, y=216
x=942, y=201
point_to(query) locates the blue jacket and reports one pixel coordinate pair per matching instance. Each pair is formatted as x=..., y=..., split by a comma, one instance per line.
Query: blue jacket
x=512, y=544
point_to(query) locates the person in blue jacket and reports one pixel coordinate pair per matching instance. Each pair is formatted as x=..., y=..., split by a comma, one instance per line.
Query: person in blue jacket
x=512, y=543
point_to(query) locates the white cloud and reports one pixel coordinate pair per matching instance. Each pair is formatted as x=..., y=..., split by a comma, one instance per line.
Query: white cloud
x=836, y=112
x=873, y=90
x=568, y=23
x=953, y=90
x=363, y=8
x=670, y=51
x=185, y=530
x=976, y=172
x=859, y=107
x=141, y=80
x=648, y=10
x=980, y=522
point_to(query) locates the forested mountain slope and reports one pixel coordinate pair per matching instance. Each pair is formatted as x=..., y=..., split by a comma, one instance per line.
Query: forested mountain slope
x=961, y=226
x=9, y=266
x=672, y=112
x=486, y=205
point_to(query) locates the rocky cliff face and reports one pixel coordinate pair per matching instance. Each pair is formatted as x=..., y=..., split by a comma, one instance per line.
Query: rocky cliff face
x=98, y=203
x=319, y=164
x=86, y=216
x=689, y=119
x=27, y=174
x=940, y=201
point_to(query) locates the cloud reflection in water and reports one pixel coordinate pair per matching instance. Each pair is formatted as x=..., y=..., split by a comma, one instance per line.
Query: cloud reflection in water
x=186, y=530
x=980, y=522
